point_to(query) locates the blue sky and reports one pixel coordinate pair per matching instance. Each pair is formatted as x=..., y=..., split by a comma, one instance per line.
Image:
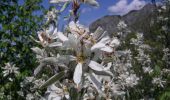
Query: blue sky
x=110, y=7
x=107, y=7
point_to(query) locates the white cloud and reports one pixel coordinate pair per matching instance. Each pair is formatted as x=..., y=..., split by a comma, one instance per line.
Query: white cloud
x=122, y=6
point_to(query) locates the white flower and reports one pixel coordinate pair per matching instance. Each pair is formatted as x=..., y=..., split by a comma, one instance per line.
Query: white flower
x=121, y=25
x=147, y=70
x=60, y=35
x=132, y=80
x=158, y=81
x=102, y=45
x=52, y=15
x=38, y=83
x=55, y=93
x=30, y=97
x=10, y=69
x=116, y=89
x=50, y=30
x=105, y=44
x=47, y=37
x=115, y=43
x=164, y=7
x=77, y=29
x=82, y=58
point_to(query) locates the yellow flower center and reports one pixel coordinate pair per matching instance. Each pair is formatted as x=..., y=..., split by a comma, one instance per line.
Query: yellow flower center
x=80, y=58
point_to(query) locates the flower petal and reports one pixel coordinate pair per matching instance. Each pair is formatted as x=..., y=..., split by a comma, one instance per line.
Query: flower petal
x=92, y=2
x=58, y=1
x=107, y=49
x=62, y=37
x=105, y=40
x=95, y=66
x=78, y=73
x=40, y=36
x=97, y=46
x=50, y=30
x=115, y=43
x=55, y=33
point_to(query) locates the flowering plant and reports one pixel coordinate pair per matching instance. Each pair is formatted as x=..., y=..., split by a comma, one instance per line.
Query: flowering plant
x=79, y=64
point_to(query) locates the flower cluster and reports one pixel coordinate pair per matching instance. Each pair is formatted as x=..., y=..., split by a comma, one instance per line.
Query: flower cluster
x=78, y=64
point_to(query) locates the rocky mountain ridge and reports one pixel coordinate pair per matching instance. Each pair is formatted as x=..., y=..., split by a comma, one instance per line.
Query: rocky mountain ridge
x=136, y=20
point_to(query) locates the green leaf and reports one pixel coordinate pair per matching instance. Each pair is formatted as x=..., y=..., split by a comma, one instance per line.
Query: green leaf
x=53, y=79
x=64, y=6
x=157, y=70
x=165, y=96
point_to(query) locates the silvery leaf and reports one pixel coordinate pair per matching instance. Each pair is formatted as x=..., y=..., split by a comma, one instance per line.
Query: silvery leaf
x=53, y=79
x=103, y=35
x=38, y=70
x=55, y=44
x=103, y=72
x=37, y=50
x=50, y=60
x=78, y=73
x=93, y=79
x=99, y=31
x=66, y=4
x=66, y=58
x=95, y=66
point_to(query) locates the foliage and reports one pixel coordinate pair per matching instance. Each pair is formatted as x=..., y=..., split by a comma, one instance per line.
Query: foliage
x=75, y=64
x=17, y=22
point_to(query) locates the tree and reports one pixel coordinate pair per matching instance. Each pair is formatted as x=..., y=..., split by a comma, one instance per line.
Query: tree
x=17, y=22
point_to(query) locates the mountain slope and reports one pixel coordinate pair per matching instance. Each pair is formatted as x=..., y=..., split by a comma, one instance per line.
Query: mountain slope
x=137, y=20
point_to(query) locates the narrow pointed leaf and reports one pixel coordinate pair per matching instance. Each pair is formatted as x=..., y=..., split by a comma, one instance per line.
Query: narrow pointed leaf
x=38, y=70
x=95, y=82
x=49, y=60
x=103, y=35
x=99, y=31
x=104, y=72
x=55, y=44
x=64, y=6
x=37, y=50
x=53, y=79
